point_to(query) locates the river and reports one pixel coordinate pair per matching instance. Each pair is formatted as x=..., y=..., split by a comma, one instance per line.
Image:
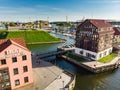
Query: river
x=84, y=80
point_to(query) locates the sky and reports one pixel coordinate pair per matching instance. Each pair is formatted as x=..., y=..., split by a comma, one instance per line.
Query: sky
x=57, y=10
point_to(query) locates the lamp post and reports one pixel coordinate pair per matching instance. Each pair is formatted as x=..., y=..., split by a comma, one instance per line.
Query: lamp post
x=63, y=84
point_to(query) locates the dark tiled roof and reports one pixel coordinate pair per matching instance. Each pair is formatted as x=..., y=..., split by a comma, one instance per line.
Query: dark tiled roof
x=99, y=23
x=117, y=31
x=4, y=43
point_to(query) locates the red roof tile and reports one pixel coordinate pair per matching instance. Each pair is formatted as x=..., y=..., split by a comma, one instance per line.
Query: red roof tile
x=117, y=31
x=4, y=43
x=99, y=23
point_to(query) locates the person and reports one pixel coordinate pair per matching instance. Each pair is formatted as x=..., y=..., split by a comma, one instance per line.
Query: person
x=94, y=65
x=39, y=62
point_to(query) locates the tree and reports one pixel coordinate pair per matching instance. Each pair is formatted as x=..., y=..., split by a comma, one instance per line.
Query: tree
x=68, y=24
x=6, y=26
x=41, y=25
x=12, y=24
x=60, y=26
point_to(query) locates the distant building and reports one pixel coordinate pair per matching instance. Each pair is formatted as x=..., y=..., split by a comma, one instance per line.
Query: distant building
x=2, y=26
x=15, y=27
x=41, y=24
x=28, y=25
x=94, y=39
x=116, y=34
x=15, y=64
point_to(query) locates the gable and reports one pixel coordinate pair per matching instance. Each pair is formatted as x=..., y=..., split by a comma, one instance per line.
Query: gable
x=16, y=41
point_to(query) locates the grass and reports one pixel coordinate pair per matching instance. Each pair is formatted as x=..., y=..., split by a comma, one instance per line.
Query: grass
x=108, y=58
x=75, y=57
x=29, y=36
x=118, y=40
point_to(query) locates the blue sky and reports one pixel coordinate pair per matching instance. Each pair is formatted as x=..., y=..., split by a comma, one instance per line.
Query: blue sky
x=57, y=10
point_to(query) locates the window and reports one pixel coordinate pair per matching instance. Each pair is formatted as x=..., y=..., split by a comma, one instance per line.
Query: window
x=93, y=56
x=88, y=55
x=3, y=62
x=15, y=71
x=26, y=79
x=5, y=71
x=105, y=52
x=105, y=28
x=14, y=59
x=81, y=52
x=100, y=55
x=110, y=51
x=24, y=57
x=17, y=82
x=25, y=69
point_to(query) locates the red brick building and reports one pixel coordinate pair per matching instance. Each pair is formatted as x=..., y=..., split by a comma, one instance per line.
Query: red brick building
x=94, y=39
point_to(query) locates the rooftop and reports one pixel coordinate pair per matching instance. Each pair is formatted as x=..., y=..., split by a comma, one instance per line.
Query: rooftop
x=98, y=23
x=117, y=31
x=4, y=43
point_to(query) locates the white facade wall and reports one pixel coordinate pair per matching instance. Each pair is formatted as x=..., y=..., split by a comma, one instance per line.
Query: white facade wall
x=117, y=36
x=97, y=55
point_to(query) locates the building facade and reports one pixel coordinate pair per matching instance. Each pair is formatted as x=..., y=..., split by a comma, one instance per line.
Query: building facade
x=2, y=26
x=117, y=34
x=15, y=64
x=41, y=24
x=94, y=39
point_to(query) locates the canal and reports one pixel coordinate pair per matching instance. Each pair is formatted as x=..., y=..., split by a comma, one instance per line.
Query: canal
x=84, y=80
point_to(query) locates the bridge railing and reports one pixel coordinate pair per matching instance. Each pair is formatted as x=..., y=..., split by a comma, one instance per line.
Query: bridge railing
x=46, y=53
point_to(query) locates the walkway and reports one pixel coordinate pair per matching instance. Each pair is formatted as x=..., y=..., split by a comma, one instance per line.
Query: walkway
x=59, y=83
x=96, y=64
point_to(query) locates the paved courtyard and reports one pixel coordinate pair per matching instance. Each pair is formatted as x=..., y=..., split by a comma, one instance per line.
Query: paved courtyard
x=47, y=77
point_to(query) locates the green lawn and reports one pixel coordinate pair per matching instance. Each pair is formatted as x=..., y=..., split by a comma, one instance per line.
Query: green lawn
x=75, y=57
x=29, y=36
x=107, y=58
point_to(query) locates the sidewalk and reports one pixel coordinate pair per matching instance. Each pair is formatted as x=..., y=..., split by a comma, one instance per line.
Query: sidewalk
x=46, y=76
x=59, y=83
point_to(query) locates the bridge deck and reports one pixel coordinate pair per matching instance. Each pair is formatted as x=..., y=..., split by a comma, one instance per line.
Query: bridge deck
x=50, y=54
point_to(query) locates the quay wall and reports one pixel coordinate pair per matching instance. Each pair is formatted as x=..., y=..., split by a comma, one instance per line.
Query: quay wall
x=71, y=84
x=91, y=69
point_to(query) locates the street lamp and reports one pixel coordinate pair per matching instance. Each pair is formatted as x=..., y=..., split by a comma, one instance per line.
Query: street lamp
x=63, y=85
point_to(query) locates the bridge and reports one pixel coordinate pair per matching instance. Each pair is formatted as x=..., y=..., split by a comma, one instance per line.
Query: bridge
x=60, y=50
x=50, y=54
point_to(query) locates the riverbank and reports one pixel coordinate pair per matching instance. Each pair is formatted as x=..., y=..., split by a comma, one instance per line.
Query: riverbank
x=61, y=41
x=94, y=66
x=31, y=36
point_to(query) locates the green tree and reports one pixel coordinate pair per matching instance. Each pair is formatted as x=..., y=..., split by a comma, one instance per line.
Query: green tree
x=41, y=25
x=6, y=26
x=12, y=24
x=68, y=24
